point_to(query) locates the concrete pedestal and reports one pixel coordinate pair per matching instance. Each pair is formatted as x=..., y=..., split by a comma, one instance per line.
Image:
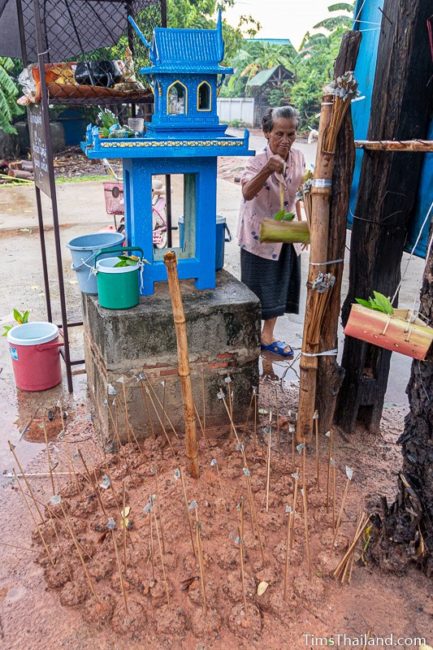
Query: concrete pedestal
x=223, y=337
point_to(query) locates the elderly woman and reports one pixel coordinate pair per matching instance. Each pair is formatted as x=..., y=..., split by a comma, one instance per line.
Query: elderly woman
x=271, y=271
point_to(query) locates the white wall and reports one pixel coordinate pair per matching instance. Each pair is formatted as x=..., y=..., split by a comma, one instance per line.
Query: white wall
x=236, y=108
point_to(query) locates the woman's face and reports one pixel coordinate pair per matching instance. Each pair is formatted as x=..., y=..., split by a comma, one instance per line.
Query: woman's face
x=282, y=136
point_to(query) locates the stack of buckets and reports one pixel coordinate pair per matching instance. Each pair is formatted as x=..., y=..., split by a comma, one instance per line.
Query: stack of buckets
x=94, y=260
x=35, y=347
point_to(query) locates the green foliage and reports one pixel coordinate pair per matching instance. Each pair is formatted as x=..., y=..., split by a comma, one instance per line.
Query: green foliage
x=378, y=303
x=8, y=95
x=200, y=14
x=20, y=319
x=126, y=260
x=282, y=215
x=312, y=65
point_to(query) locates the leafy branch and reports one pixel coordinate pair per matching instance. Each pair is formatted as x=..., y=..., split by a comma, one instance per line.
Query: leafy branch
x=378, y=303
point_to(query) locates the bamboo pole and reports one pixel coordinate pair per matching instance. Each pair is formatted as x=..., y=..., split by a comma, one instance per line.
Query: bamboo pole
x=183, y=364
x=395, y=145
x=320, y=198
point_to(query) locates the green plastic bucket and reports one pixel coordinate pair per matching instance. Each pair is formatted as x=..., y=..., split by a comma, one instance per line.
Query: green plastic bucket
x=118, y=288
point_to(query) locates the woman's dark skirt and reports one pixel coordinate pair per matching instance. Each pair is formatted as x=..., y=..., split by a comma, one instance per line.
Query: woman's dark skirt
x=275, y=283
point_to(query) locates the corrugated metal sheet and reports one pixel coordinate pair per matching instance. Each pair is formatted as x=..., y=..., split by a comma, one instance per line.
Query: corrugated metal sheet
x=368, y=23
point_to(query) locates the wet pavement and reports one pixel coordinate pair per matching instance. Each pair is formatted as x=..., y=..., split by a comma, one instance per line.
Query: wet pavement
x=82, y=210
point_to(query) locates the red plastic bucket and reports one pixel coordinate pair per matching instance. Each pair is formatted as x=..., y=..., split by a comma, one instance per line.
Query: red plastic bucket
x=34, y=349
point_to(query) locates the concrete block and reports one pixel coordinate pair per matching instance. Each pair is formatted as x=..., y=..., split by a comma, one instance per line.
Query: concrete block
x=223, y=328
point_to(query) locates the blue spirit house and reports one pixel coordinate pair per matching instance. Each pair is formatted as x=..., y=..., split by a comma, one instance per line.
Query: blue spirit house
x=184, y=137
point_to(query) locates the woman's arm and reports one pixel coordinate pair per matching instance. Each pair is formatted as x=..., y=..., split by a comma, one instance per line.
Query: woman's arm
x=253, y=187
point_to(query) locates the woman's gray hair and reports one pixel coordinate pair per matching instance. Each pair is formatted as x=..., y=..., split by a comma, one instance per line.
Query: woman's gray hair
x=272, y=114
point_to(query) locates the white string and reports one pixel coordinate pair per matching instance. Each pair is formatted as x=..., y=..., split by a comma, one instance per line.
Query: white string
x=325, y=353
x=413, y=250
x=328, y=262
x=359, y=13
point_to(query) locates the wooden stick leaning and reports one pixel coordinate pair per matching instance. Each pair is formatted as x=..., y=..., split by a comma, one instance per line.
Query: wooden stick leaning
x=329, y=435
x=161, y=555
x=111, y=525
x=147, y=391
x=200, y=555
x=183, y=363
x=349, y=553
x=295, y=476
x=254, y=523
x=289, y=511
x=268, y=467
x=42, y=538
x=12, y=449
x=349, y=476
x=179, y=475
x=241, y=550
x=93, y=483
x=158, y=401
x=78, y=548
x=50, y=469
x=203, y=397
x=307, y=535
x=316, y=430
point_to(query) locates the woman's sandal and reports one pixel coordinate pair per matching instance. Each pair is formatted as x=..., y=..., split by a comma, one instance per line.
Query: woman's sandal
x=279, y=347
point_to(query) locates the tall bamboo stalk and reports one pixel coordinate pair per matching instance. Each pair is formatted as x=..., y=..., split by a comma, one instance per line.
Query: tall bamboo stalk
x=183, y=364
x=320, y=197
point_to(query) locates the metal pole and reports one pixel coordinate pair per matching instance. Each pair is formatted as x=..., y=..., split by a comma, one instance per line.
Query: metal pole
x=130, y=12
x=44, y=254
x=22, y=33
x=168, y=213
x=52, y=184
x=163, y=13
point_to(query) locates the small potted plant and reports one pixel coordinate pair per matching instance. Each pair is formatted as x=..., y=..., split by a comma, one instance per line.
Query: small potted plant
x=376, y=321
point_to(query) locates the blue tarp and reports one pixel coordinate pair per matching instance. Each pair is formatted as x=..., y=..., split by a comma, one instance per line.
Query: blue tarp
x=368, y=20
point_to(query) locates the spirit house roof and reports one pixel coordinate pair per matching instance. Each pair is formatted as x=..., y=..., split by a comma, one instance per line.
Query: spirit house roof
x=189, y=51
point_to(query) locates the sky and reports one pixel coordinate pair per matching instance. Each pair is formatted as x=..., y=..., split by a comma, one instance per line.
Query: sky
x=281, y=18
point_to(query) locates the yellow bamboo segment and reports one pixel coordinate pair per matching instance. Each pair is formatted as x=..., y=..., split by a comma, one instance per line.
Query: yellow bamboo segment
x=183, y=364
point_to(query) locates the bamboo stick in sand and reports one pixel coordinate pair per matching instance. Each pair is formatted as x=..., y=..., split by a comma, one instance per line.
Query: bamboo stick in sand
x=183, y=364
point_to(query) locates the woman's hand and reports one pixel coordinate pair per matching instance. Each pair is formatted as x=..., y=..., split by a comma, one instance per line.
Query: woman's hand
x=275, y=164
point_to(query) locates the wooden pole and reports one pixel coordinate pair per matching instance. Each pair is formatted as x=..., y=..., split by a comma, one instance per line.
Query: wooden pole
x=387, y=196
x=395, y=145
x=330, y=374
x=183, y=364
x=320, y=196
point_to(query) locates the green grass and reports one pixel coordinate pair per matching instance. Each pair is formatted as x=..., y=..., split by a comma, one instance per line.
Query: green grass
x=62, y=180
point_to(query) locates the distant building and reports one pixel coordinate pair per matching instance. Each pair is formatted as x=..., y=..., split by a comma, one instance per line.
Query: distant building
x=262, y=83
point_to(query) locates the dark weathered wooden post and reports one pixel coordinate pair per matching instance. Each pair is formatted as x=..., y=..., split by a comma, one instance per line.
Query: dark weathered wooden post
x=387, y=194
x=329, y=373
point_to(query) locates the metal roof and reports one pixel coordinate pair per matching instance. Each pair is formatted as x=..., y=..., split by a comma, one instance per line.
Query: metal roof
x=262, y=77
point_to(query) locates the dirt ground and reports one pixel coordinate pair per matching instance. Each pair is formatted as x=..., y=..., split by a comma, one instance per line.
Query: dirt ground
x=43, y=607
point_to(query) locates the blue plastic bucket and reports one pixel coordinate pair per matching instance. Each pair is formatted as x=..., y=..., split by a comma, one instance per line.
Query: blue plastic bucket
x=221, y=238
x=84, y=249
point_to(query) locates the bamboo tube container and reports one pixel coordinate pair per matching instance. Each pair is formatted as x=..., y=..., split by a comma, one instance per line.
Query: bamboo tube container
x=282, y=231
x=183, y=364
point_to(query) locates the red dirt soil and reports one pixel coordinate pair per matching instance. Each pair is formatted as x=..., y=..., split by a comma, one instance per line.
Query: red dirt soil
x=52, y=607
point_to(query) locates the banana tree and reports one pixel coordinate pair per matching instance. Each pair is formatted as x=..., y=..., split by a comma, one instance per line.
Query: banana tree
x=8, y=95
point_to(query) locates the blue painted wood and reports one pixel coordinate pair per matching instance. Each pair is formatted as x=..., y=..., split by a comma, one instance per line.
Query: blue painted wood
x=368, y=23
x=186, y=142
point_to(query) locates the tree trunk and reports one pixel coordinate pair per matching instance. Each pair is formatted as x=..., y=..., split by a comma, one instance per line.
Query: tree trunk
x=387, y=196
x=329, y=373
x=406, y=528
